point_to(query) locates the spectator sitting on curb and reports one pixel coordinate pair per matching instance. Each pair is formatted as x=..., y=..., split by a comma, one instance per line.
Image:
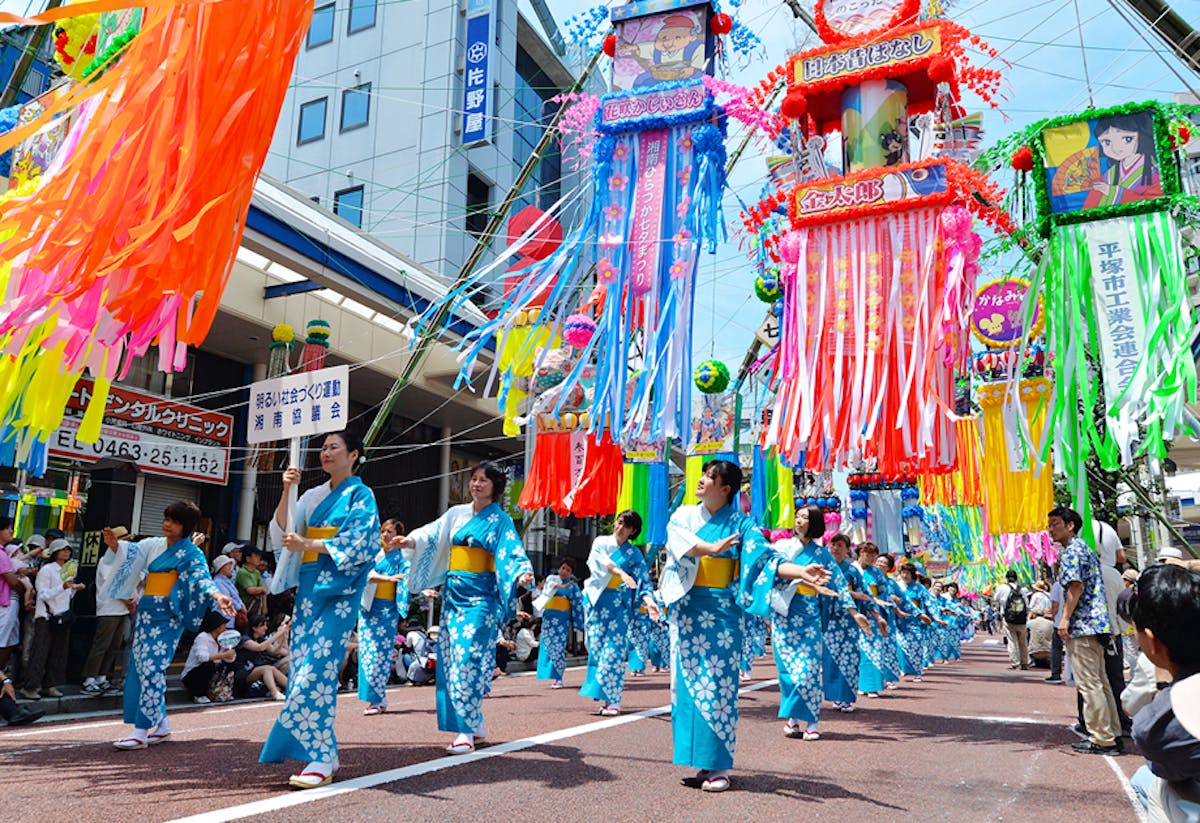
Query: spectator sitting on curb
x=223, y=567
x=267, y=656
x=13, y=712
x=200, y=669
x=1166, y=611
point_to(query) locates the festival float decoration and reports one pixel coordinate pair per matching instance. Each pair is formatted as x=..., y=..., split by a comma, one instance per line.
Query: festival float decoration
x=657, y=167
x=878, y=266
x=127, y=238
x=1106, y=186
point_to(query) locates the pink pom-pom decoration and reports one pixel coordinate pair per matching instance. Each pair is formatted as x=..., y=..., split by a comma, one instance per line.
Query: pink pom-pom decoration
x=973, y=245
x=956, y=223
x=971, y=269
x=578, y=330
x=780, y=534
x=833, y=522
x=790, y=246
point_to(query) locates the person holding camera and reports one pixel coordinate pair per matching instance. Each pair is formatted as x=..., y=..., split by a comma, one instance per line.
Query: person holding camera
x=52, y=621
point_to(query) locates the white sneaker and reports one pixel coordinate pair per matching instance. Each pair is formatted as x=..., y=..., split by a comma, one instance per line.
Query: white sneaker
x=201, y=700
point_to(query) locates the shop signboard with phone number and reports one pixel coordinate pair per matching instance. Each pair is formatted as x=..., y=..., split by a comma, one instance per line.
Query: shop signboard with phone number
x=159, y=436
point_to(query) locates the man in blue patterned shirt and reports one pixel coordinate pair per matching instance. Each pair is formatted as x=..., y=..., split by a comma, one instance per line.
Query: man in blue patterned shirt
x=1085, y=629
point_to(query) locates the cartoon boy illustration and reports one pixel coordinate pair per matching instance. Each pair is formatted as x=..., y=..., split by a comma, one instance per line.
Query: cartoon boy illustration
x=675, y=48
x=1128, y=142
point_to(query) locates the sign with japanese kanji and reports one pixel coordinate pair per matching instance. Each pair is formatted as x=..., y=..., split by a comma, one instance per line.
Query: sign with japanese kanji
x=1118, y=300
x=158, y=435
x=476, y=83
x=299, y=405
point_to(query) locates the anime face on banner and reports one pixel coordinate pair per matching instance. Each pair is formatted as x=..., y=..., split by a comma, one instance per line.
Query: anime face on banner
x=1106, y=161
x=660, y=48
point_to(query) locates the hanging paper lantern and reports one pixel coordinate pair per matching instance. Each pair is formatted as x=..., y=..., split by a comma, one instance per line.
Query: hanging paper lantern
x=722, y=23
x=578, y=330
x=712, y=377
x=610, y=45
x=767, y=286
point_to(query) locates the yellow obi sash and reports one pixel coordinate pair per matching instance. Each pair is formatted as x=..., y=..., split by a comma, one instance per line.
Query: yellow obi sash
x=471, y=559
x=317, y=533
x=385, y=590
x=558, y=604
x=716, y=572
x=643, y=610
x=614, y=582
x=159, y=584
x=807, y=591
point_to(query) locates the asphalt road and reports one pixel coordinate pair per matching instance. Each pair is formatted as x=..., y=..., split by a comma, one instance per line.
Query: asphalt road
x=975, y=741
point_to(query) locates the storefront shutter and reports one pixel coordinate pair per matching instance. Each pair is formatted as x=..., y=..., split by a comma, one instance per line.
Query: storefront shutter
x=157, y=494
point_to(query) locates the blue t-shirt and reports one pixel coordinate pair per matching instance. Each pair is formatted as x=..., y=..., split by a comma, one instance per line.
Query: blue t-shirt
x=1079, y=563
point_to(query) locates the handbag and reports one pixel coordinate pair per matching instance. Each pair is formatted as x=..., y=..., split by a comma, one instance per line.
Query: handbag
x=241, y=620
x=64, y=618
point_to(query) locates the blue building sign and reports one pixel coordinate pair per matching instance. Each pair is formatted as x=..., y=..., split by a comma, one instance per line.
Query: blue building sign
x=476, y=127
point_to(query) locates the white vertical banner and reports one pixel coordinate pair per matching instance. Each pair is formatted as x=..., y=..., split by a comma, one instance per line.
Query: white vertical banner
x=1118, y=301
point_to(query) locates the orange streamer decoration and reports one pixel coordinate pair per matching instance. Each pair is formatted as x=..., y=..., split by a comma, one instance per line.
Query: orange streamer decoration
x=129, y=237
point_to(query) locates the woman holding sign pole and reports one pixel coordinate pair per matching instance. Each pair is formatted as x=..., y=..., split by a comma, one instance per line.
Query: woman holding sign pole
x=328, y=555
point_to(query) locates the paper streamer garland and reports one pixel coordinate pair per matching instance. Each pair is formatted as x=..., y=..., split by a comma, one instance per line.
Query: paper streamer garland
x=130, y=236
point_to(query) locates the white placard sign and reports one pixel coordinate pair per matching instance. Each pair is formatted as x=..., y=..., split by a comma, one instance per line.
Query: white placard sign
x=299, y=405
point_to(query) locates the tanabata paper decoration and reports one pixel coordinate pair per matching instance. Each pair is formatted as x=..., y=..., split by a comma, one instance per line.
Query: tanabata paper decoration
x=712, y=377
x=283, y=337
x=525, y=336
x=1118, y=312
x=658, y=175
x=644, y=489
x=130, y=235
x=75, y=43
x=879, y=266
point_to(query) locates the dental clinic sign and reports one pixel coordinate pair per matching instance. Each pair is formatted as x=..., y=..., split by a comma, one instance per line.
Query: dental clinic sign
x=476, y=125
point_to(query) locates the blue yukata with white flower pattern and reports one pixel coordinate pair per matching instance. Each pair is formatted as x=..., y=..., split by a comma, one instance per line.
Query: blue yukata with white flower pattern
x=556, y=626
x=327, y=605
x=473, y=605
x=796, y=635
x=706, y=632
x=891, y=657
x=160, y=621
x=911, y=638
x=609, y=626
x=839, y=661
x=754, y=641
x=1080, y=564
x=377, y=626
x=871, y=660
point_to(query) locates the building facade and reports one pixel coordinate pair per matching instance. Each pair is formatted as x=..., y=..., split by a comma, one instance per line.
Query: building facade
x=380, y=126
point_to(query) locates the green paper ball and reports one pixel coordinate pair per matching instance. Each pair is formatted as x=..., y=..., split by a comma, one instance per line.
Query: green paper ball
x=767, y=286
x=712, y=377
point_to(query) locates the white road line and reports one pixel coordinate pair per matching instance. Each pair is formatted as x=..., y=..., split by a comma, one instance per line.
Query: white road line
x=1125, y=784
x=368, y=781
x=1034, y=720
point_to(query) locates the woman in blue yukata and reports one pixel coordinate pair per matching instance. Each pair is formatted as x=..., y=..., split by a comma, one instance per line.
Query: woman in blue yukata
x=872, y=661
x=327, y=556
x=911, y=639
x=718, y=563
x=384, y=605
x=796, y=624
x=889, y=592
x=179, y=592
x=474, y=551
x=560, y=605
x=618, y=584
x=839, y=662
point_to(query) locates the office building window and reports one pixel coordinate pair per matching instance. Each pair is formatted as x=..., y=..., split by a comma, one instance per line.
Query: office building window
x=356, y=106
x=479, y=195
x=348, y=205
x=534, y=108
x=362, y=15
x=320, y=31
x=312, y=121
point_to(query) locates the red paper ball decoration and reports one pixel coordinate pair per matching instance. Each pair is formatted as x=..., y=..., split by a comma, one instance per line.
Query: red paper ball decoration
x=1022, y=159
x=794, y=105
x=941, y=70
x=722, y=23
x=610, y=45
x=1181, y=137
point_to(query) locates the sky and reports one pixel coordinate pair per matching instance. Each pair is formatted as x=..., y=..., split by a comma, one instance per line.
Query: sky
x=1047, y=74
